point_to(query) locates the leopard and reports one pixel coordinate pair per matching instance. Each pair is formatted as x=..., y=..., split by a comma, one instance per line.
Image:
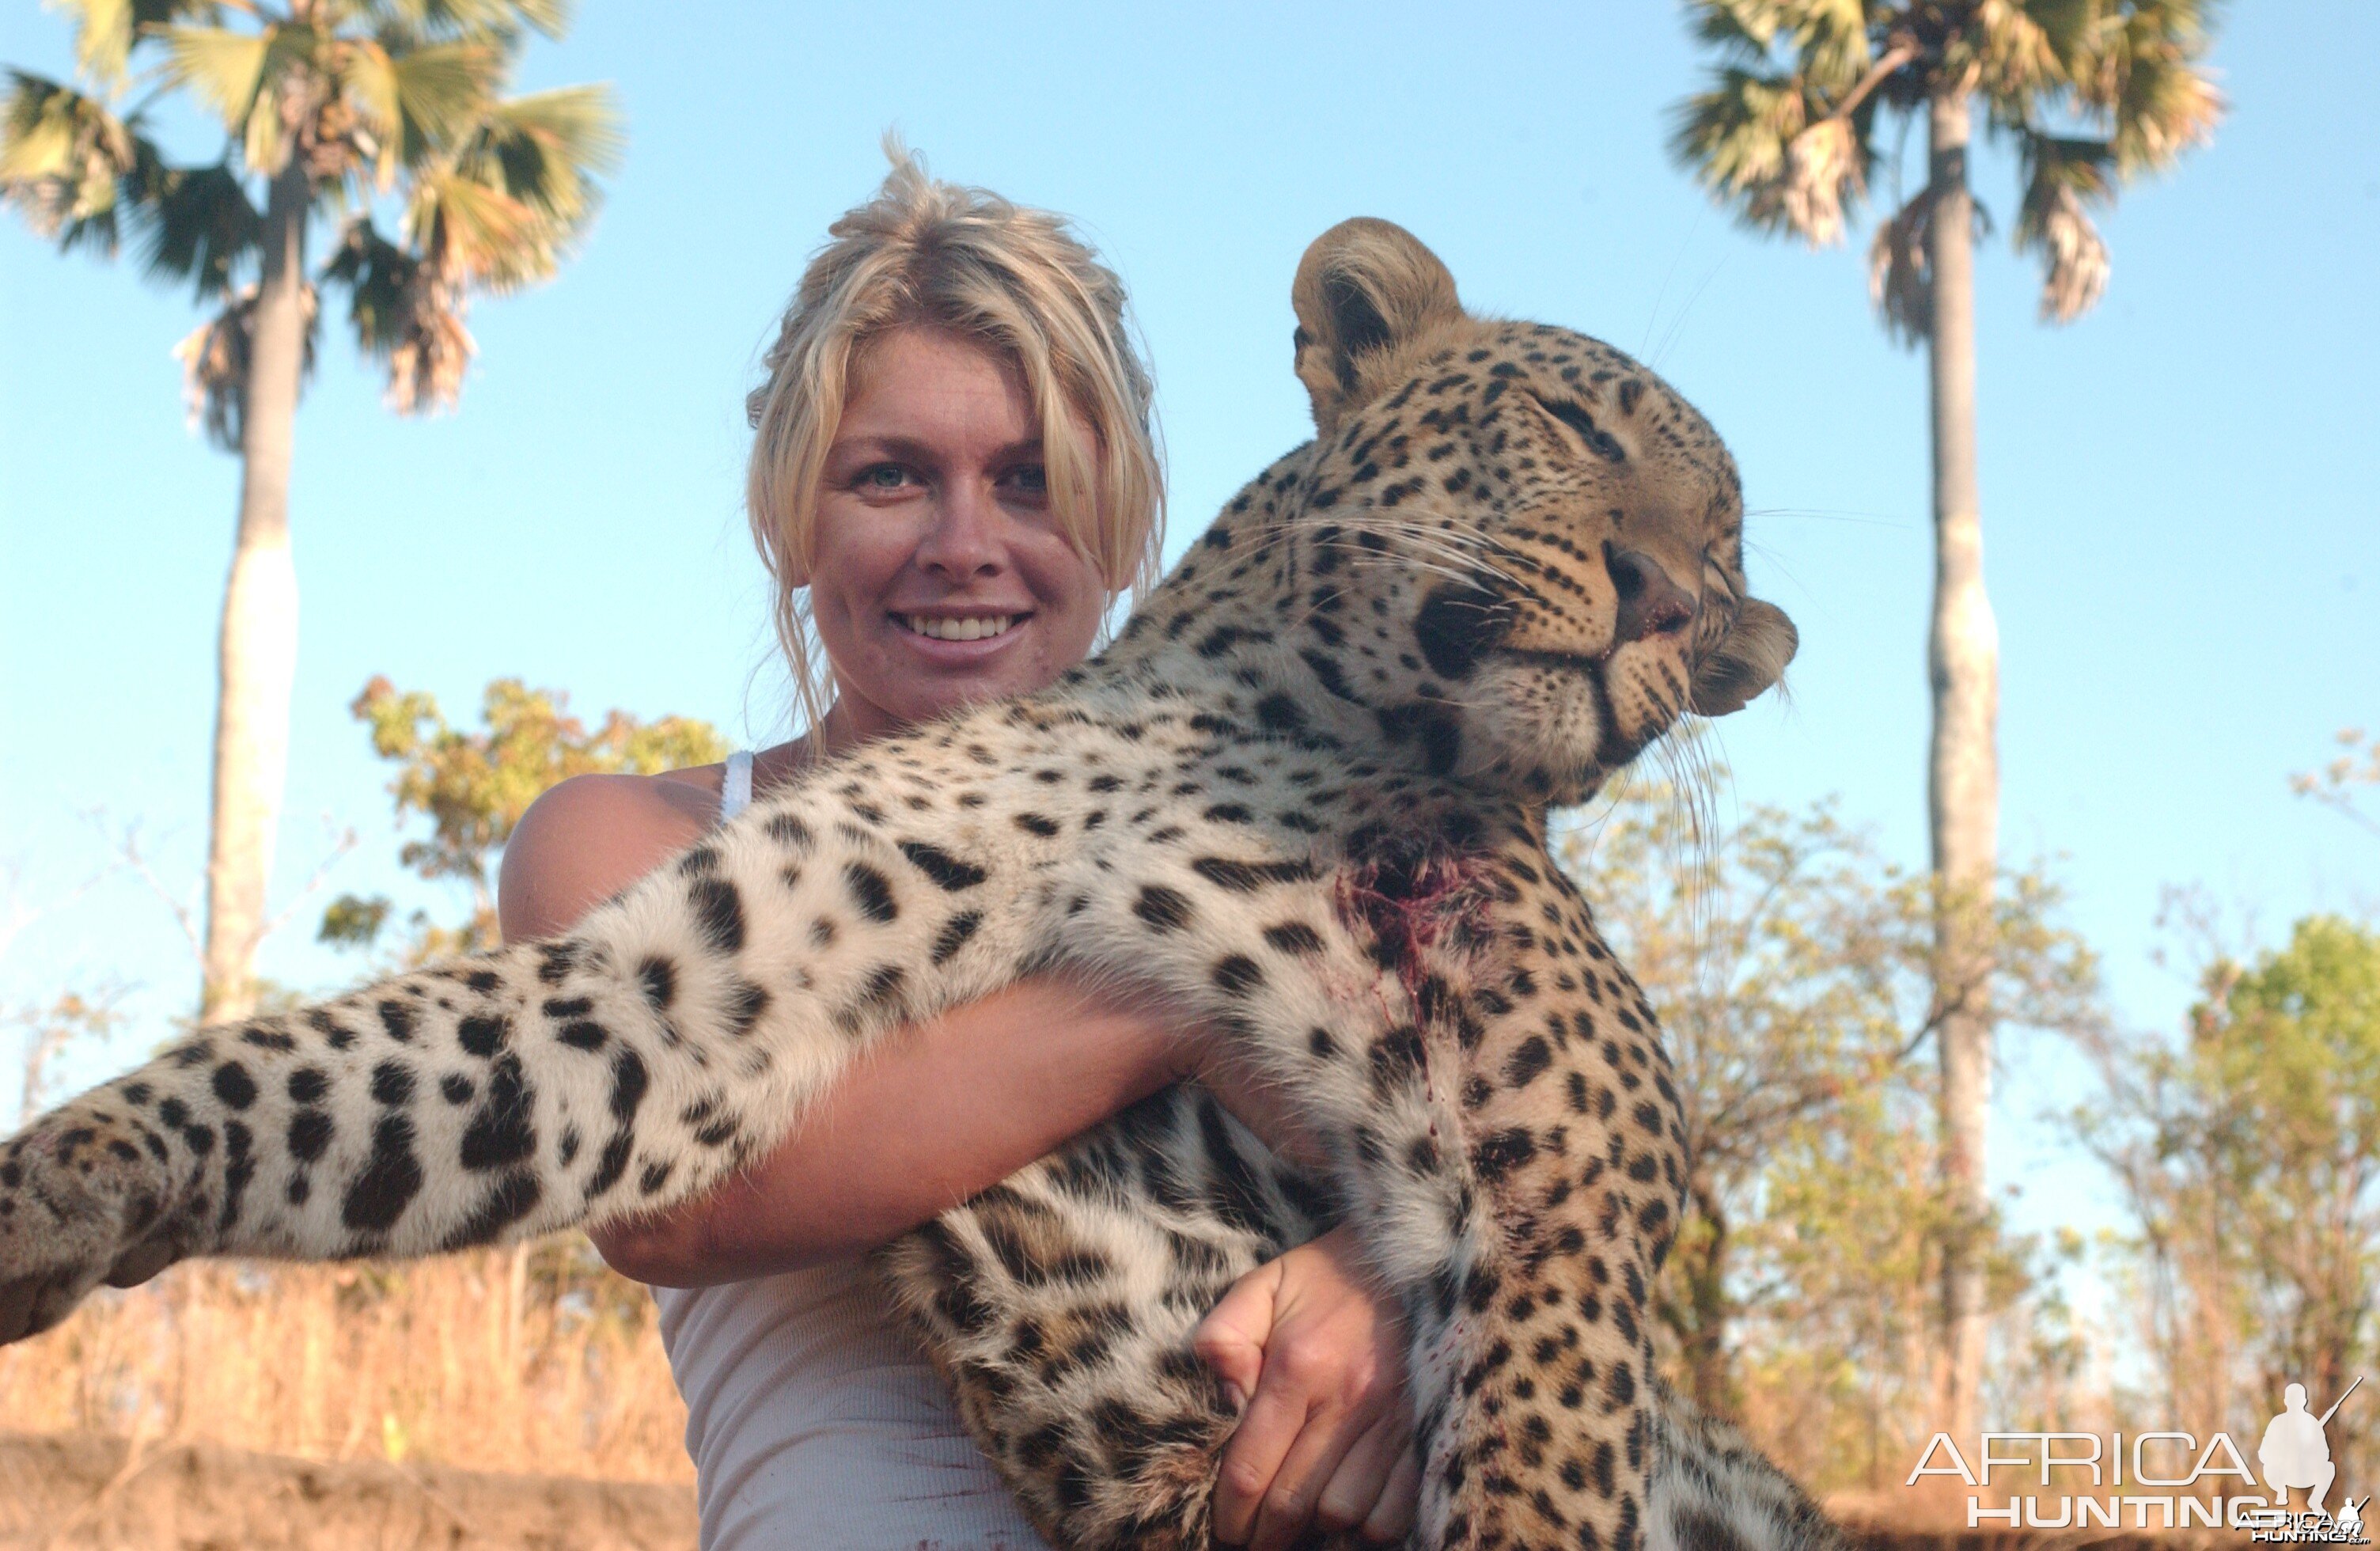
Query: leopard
x=1305, y=795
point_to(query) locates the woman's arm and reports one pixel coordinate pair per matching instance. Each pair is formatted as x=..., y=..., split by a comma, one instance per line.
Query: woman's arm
x=947, y=1109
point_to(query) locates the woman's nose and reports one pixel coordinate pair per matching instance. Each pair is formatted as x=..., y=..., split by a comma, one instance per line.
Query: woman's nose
x=964, y=541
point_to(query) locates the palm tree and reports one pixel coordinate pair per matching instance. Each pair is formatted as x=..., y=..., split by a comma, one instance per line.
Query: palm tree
x=336, y=113
x=2089, y=92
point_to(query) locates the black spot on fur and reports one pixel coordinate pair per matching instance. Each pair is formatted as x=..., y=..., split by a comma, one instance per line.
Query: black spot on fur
x=512, y=1198
x=1164, y=909
x=234, y=1085
x=483, y=1036
x=1238, y=975
x=871, y=891
x=583, y=1036
x=389, y=1182
x=501, y=1131
x=1246, y=877
x=954, y=934
x=719, y=910
x=1294, y=937
x=1497, y=1154
x=1529, y=1062
x=659, y=979
x=947, y=871
x=392, y=1083
x=309, y=1134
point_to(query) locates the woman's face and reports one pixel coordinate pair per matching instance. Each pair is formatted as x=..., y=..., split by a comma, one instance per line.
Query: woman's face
x=942, y=577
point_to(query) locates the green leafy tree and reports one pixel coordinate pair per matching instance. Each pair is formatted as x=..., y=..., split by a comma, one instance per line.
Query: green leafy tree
x=377, y=129
x=473, y=786
x=2249, y=1151
x=2089, y=92
x=1793, y=973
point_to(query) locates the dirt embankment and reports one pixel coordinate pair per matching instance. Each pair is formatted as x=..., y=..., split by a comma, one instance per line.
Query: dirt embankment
x=85, y=1493
x=82, y=1492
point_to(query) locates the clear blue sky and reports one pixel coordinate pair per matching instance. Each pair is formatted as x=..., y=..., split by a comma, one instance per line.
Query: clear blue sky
x=2178, y=492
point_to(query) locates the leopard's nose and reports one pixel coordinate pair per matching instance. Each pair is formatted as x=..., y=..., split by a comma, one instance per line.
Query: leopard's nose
x=1650, y=603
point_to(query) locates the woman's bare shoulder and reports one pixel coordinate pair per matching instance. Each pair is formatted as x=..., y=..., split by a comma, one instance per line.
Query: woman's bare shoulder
x=591, y=836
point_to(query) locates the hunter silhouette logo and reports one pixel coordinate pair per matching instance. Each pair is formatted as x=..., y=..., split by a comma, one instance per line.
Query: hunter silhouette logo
x=2160, y=1480
x=2296, y=1450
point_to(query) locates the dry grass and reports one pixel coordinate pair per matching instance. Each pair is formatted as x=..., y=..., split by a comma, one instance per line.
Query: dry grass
x=535, y=1360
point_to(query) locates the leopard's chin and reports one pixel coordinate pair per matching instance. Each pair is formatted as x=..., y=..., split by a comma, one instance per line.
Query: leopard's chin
x=1554, y=729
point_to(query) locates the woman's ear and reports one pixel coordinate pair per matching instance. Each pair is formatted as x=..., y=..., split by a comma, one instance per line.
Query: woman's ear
x=1747, y=659
x=1365, y=290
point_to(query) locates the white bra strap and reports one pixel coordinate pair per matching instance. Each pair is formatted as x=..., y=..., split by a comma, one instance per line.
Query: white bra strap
x=736, y=786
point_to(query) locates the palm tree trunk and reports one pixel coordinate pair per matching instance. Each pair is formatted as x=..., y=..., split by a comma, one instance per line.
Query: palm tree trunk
x=258, y=653
x=1963, y=774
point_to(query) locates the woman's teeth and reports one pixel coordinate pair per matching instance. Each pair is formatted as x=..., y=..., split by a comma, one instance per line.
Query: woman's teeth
x=957, y=629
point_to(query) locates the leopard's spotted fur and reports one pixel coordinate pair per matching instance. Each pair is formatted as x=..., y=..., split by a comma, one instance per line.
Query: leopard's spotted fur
x=1305, y=795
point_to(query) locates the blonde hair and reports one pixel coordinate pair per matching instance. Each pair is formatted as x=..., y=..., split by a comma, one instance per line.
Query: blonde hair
x=1019, y=282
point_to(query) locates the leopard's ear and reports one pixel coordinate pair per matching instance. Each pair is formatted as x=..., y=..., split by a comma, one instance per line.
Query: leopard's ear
x=1365, y=289
x=1747, y=659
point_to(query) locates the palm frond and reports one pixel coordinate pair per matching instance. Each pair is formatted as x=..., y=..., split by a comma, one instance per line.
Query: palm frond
x=474, y=233
x=489, y=20
x=71, y=165
x=1783, y=160
x=377, y=274
x=215, y=357
x=2141, y=67
x=441, y=92
x=1900, y=272
x=202, y=226
x=1824, y=171
x=224, y=69
x=1743, y=30
x=2061, y=174
x=546, y=149
x=408, y=315
x=107, y=30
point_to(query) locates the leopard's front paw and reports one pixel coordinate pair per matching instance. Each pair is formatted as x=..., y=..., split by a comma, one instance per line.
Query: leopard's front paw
x=81, y=1202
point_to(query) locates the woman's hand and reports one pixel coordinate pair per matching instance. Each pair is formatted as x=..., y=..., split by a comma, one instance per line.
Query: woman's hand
x=1326, y=1431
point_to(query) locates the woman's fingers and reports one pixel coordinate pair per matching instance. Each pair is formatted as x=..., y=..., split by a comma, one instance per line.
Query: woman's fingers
x=1362, y=1473
x=1245, y=1491
x=1329, y=1431
x=1320, y=1361
x=1399, y=1505
x=1231, y=1341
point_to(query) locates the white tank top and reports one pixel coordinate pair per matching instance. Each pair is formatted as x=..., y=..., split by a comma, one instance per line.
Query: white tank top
x=815, y=1421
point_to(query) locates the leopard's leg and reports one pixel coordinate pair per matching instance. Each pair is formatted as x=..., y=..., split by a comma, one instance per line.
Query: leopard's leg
x=1061, y=1306
x=1714, y=1491
x=610, y=1073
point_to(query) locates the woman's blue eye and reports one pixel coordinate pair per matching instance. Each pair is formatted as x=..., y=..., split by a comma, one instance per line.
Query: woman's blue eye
x=884, y=477
x=1030, y=477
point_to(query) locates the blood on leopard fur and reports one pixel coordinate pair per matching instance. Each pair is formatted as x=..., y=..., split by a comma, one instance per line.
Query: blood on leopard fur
x=1412, y=897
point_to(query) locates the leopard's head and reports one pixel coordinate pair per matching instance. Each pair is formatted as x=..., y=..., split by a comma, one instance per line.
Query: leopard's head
x=1514, y=545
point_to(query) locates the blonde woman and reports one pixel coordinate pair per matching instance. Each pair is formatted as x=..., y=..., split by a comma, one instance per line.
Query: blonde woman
x=953, y=480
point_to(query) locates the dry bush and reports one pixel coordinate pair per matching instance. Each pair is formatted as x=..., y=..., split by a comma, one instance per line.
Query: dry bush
x=534, y=1360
